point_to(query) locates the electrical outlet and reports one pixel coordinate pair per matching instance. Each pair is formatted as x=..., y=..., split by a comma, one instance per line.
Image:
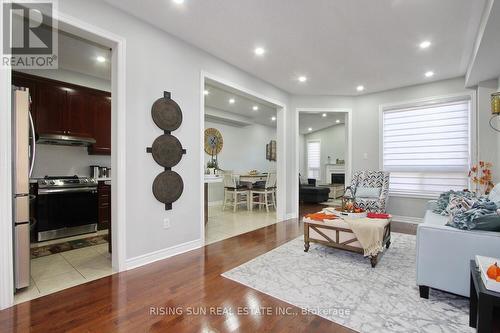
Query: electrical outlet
x=166, y=223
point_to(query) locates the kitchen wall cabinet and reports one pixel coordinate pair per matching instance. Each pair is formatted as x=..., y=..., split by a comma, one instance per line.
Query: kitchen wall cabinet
x=66, y=109
x=102, y=125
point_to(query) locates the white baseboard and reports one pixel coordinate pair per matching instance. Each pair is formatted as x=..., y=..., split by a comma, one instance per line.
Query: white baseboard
x=215, y=203
x=290, y=216
x=407, y=219
x=162, y=254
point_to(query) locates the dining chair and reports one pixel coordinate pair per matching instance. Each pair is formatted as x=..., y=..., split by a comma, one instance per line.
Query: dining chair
x=234, y=194
x=266, y=195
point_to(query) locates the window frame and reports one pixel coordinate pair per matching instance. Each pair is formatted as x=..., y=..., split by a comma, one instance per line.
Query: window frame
x=473, y=149
x=307, y=158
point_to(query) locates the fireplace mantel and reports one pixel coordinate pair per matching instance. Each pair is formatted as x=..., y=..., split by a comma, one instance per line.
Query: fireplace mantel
x=333, y=168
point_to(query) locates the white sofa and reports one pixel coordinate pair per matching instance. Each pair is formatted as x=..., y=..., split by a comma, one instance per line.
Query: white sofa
x=444, y=253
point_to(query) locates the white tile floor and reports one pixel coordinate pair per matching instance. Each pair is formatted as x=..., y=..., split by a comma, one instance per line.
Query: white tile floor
x=226, y=224
x=66, y=269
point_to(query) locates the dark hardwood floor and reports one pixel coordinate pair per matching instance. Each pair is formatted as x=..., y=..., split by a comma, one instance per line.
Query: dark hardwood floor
x=132, y=301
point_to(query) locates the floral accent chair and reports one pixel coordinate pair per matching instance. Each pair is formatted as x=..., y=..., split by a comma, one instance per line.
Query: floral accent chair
x=371, y=190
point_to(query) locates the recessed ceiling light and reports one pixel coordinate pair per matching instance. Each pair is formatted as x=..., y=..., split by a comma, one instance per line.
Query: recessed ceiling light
x=273, y=118
x=206, y=92
x=337, y=121
x=425, y=44
x=179, y=2
x=302, y=78
x=259, y=51
x=309, y=129
x=323, y=115
x=429, y=74
x=100, y=59
x=360, y=88
x=255, y=108
x=232, y=101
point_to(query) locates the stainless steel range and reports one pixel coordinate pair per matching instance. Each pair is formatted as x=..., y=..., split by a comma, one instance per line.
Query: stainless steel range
x=66, y=206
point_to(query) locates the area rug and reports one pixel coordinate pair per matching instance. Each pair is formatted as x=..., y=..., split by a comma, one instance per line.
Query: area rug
x=332, y=203
x=342, y=287
x=47, y=250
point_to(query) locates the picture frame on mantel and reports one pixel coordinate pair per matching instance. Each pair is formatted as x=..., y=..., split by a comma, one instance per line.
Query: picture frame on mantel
x=271, y=150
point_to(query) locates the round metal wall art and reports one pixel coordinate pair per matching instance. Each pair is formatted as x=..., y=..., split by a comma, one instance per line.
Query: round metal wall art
x=168, y=186
x=167, y=150
x=213, y=141
x=166, y=114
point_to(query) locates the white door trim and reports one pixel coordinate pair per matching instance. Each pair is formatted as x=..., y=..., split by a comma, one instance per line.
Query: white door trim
x=118, y=190
x=348, y=164
x=281, y=153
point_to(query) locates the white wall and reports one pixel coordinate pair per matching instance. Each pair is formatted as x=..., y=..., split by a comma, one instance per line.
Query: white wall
x=244, y=149
x=65, y=161
x=333, y=144
x=488, y=139
x=157, y=61
x=302, y=155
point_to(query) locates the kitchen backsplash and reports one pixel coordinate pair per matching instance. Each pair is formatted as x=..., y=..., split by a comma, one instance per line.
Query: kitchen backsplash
x=65, y=161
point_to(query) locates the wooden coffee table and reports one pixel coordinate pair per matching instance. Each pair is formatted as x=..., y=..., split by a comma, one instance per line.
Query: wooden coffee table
x=338, y=235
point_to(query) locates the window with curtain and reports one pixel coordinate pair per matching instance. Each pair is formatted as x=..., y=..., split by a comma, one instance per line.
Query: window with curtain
x=313, y=159
x=427, y=147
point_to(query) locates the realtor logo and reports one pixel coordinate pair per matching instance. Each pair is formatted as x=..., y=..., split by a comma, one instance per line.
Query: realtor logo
x=29, y=35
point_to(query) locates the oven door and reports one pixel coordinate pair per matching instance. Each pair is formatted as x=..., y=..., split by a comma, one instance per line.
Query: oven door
x=73, y=209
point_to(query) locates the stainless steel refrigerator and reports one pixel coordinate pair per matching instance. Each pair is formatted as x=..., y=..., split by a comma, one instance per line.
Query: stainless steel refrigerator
x=23, y=153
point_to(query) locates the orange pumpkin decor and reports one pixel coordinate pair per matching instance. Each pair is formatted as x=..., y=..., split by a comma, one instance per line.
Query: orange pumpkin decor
x=493, y=272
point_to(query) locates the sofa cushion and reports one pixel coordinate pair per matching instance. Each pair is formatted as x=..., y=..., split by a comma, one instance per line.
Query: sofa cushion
x=432, y=218
x=368, y=192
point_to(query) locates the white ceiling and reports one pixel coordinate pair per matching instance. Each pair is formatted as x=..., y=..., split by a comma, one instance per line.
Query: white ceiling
x=316, y=121
x=79, y=55
x=486, y=64
x=219, y=96
x=337, y=44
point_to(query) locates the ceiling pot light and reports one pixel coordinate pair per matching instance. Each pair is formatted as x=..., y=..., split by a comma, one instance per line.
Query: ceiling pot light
x=100, y=59
x=425, y=44
x=429, y=74
x=259, y=51
x=232, y=101
x=323, y=115
x=255, y=108
x=309, y=129
x=302, y=78
x=337, y=121
x=179, y=2
x=273, y=118
x=206, y=92
x=360, y=88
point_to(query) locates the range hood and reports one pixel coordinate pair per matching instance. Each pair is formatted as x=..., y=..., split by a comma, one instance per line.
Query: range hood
x=65, y=140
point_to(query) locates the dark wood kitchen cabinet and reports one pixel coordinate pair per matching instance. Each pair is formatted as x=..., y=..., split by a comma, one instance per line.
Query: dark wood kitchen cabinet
x=78, y=114
x=63, y=108
x=104, y=209
x=102, y=125
x=49, y=105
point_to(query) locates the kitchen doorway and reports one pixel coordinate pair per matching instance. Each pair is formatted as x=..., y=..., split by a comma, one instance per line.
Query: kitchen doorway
x=74, y=185
x=243, y=157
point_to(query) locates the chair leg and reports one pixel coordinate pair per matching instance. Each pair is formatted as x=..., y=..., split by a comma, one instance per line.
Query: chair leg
x=235, y=196
x=266, y=198
x=224, y=201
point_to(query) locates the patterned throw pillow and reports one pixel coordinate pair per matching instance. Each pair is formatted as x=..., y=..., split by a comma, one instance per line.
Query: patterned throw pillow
x=473, y=214
x=444, y=200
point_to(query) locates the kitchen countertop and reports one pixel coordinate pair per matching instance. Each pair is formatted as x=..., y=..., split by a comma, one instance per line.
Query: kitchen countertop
x=213, y=179
x=103, y=179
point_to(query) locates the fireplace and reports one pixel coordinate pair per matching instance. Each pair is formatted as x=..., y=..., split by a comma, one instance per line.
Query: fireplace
x=338, y=178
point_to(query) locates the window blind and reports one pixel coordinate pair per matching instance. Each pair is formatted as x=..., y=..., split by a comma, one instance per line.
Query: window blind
x=427, y=148
x=313, y=159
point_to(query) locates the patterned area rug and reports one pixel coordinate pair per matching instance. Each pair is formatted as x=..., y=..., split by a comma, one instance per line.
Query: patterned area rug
x=342, y=287
x=43, y=251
